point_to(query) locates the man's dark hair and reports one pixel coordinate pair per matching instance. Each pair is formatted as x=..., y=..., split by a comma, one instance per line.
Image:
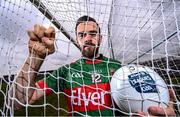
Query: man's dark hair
x=86, y=18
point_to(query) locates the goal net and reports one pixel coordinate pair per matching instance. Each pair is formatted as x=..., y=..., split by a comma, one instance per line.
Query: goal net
x=144, y=32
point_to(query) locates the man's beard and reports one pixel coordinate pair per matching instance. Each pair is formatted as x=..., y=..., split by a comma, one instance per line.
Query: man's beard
x=90, y=50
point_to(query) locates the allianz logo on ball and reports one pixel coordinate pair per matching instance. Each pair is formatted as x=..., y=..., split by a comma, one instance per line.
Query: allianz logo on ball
x=142, y=82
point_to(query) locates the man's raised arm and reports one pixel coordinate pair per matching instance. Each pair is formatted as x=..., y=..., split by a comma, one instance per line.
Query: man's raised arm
x=23, y=89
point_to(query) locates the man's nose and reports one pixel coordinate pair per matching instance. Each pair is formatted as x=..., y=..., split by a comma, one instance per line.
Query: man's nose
x=87, y=36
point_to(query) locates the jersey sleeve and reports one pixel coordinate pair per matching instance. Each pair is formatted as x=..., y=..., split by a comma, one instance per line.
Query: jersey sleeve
x=54, y=81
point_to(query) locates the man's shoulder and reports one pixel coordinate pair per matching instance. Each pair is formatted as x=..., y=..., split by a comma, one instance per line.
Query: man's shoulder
x=66, y=67
x=73, y=63
x=111, y=60
x=76, y=62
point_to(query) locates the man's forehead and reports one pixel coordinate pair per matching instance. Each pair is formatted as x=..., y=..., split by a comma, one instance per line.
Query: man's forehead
x=86, y=26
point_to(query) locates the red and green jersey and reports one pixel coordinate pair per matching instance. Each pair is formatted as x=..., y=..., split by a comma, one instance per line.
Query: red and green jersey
x=86, y=84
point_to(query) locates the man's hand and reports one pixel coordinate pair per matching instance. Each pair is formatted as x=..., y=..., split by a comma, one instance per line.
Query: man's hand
x=158, y=111
x=41, y=41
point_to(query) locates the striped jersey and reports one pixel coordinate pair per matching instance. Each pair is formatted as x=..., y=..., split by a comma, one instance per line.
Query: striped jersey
x=86, y=84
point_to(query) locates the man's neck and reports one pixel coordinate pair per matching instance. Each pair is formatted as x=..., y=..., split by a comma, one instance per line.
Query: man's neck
x=93, y=58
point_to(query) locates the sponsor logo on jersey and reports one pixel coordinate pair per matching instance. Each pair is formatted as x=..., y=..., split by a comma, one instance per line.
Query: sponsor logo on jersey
x=89, y=97
x=142, y=82
x=94, y=97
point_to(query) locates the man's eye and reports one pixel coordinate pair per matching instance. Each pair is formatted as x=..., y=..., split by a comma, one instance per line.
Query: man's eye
x=84, y=34
x=93, y=34
x=80, y=35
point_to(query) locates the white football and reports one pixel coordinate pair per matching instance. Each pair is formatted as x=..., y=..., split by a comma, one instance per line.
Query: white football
x=134, y=88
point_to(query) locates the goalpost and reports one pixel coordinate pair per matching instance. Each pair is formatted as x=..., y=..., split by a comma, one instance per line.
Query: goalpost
x=144, y=32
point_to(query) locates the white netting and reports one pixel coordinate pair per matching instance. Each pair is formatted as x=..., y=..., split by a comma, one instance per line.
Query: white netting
x=134, y=31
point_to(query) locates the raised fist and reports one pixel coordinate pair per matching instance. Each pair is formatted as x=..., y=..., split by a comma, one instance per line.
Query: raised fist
x=41, y=42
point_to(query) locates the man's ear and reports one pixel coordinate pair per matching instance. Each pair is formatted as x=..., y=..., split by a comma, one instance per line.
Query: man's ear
x=77, y=42
x=100, y=39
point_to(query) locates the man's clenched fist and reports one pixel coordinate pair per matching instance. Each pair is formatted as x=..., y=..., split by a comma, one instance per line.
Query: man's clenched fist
x=41, y=42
